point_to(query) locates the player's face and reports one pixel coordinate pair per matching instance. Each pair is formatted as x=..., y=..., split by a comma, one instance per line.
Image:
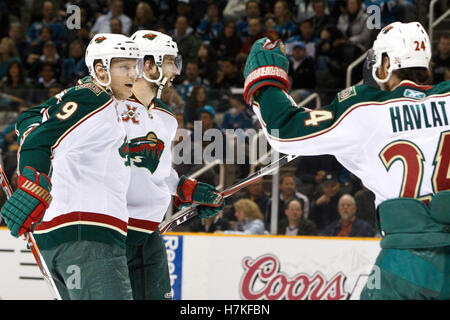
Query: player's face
x=123, y=75
x=169, y=68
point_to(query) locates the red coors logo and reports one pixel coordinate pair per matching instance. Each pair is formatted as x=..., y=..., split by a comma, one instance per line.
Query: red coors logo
x=263, y=280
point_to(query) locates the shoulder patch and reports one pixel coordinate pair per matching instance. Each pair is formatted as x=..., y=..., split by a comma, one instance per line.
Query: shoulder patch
x=346, y=93
x=90, y=86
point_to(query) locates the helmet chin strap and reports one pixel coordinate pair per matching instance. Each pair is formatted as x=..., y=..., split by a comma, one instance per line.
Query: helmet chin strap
x=377, y=79
x=160, y=82
x=107, y=85
x=161, y=86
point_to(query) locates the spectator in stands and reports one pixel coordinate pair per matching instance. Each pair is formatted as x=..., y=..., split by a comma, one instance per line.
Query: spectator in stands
x=306, y=35
x=304, y=10
x=249, y=219
x=271, y=31
x=228, y=43
x=196, y=101
x=311, y=170
x=208, y=65
x=74, y=67
x=302, y=72
x=353, y=25
x=252, y=11
x=115, y=26
x=7, y=54
x=441, y=59
x=49, y=55
x=48, y=19
x=211, y=26
x=294, y=223
x=324, y=207
x=46, y=79
x=334, y=54
x=35, y=49
x=282, y=15
x=228, y=76
x=236, y=117
x=348, y=225
x=14, y=86
x=214, y=224
x=255, y=192
x=255, y=32
x=16, y=34
x=191, y=79
x=187, y=42
x=365, y=203
x=103, y=25
x=144, y=19
x=9, y=147
x=288, y=191
x=320, y=18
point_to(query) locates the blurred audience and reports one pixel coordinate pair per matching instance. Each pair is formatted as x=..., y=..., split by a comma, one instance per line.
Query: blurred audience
x=294, y=223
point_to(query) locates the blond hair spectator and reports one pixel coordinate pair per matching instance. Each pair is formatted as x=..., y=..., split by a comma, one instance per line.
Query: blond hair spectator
x=249, y=218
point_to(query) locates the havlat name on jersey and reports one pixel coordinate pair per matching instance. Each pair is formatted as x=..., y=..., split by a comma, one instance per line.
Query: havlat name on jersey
x=418, y=116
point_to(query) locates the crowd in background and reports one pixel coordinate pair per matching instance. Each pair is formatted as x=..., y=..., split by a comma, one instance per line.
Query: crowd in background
x=40, y=56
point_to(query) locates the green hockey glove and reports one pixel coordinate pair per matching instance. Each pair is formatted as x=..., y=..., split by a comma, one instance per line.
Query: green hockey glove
x=266, y=65
x=28, y=203
x=190, y=190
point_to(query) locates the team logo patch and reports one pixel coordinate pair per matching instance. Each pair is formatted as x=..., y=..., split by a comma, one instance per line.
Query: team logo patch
x=346, y=93
x=100, y=39
x=130, y=114
x=149, y=36
x=143, y=152
x=414, y=94
x=387, y=29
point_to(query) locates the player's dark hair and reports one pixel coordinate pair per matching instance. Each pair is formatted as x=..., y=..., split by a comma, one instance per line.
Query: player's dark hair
x=417, y=75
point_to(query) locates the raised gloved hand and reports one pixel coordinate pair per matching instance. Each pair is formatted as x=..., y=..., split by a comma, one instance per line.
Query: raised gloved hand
x=28, y=203
x=266, y=65
x=209, y=199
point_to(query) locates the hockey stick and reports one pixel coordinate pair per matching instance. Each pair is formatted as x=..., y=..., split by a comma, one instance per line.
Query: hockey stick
x=192, y=211
x=28, y=236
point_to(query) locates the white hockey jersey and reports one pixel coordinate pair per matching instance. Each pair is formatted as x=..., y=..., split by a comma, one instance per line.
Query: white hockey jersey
x=397, y=143
x=153, y=180
x=82, y=133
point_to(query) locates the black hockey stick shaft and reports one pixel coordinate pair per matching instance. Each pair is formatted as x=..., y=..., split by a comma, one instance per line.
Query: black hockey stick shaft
x=192, y=212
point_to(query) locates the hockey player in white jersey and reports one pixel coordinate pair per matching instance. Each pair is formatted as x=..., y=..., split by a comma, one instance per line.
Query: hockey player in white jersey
x=151, y=128
x=396, y=140
x=72, y=150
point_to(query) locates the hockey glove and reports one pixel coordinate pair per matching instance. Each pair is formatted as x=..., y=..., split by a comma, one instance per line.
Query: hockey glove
x=190, y=190
x=28, y=203
x=267, y=65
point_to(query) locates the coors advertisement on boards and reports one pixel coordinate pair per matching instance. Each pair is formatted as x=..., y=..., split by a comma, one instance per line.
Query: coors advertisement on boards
x=263, y=279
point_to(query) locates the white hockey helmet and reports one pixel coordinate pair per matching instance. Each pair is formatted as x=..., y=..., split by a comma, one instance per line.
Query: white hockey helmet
x=157, y=45
x=406, y=44
x=107, y=46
